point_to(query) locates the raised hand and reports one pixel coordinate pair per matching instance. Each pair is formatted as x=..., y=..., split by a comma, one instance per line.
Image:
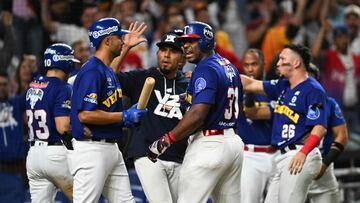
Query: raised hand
x=135, y=36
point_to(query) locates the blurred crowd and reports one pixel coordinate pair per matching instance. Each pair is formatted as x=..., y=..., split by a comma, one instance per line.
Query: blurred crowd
x=329, y=27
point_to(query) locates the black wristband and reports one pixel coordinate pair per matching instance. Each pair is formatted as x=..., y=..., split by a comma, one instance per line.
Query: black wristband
x=249, y=100
x=335, y=151
x=338, y=145
x=66, y=139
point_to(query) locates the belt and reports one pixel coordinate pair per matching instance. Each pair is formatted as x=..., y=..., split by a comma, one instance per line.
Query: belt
x=257, y=148
x=213, y=132
x=45, y=143
x=288, y=148
x=108, y=140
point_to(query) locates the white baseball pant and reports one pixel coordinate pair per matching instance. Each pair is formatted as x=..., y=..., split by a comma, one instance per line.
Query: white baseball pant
x=285, y=187
x=165, y=175
x=325, y=189
x=99, y=168
x=212, y=165
x=47, y=168
x=257, y=169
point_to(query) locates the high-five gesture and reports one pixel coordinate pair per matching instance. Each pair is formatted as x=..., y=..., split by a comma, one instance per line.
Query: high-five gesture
x=135, y=36
x=130, y=40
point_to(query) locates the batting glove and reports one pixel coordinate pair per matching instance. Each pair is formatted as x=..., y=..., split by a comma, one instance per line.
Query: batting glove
x=159, y=146
x=132, y=116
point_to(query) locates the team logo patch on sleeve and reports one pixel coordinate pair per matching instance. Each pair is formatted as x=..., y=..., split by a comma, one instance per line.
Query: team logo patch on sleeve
x=92, y=98
x=200, y=84
x=313, y=112
x=338, y=112
x=66, y=104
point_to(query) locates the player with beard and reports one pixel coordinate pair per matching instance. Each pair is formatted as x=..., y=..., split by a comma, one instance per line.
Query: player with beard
x=164, y=113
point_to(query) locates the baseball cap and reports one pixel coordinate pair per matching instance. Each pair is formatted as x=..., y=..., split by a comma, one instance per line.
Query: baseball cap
x=341, y=30
x=352, y=9
x=168, y=40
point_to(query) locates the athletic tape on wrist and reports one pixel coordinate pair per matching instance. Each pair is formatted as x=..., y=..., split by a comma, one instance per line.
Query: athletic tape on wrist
x=171, y=137
x=310, y=144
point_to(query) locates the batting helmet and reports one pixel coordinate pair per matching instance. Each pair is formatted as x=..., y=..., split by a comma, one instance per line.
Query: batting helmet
x=201, y=31
x=60, y=56
x=103, y=28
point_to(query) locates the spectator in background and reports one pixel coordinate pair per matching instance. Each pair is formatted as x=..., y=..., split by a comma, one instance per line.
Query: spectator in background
x=341, y=72
x=352, y=21
x=82, y=53
x=12, y=146
x=23, y=77
x=260, y=16
x=64, y=32
x=282, y=29
x=7, y=42
x=28, y=29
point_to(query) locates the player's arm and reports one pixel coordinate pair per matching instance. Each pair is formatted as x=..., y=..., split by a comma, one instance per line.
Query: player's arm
x=340, y=133
x=192, y=121
x=258, y=112
x=62, y=124
x=99, y=117
x=130, y=40
x=129, y=117
x=313, y=140
x=47, y=22
x=252, y=85
x=255, y=112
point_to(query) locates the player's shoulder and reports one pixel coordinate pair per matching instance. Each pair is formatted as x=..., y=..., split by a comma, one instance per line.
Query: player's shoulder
x=93, y=65
x=313, y=85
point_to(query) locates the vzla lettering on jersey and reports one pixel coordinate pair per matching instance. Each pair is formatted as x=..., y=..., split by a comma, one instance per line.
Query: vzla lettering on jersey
x=169, y=105
x=112, y=99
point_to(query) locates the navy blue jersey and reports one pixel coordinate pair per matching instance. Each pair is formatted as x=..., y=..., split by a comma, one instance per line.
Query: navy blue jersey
x=297, y=110
x=164, y=111
x=46, y=98
x=334, y=118
x=216, y=81
x=96, y=88
x=12, y=146
x=257, y=132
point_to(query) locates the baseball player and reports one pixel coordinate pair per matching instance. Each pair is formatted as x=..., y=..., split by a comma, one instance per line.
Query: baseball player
x=165, y=111
x=48, y=111
x=258, y=164
x=97, y=118
x=325, y=188
x=299, y=123
x=213, y=159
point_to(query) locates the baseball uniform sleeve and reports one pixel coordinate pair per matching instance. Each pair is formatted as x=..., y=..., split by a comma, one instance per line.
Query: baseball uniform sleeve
x=273, y=88
x=89, y=90
x=336, y=115
x=205, y=85
x=62, y=103
x=316, y=114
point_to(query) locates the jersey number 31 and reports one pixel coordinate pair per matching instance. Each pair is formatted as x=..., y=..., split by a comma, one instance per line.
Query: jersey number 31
x=233, y=96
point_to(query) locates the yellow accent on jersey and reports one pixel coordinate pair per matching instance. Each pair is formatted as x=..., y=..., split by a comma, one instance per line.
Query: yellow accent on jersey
x=188, y=98
x=285, y=110
x=112, y=99
x=261, y=103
